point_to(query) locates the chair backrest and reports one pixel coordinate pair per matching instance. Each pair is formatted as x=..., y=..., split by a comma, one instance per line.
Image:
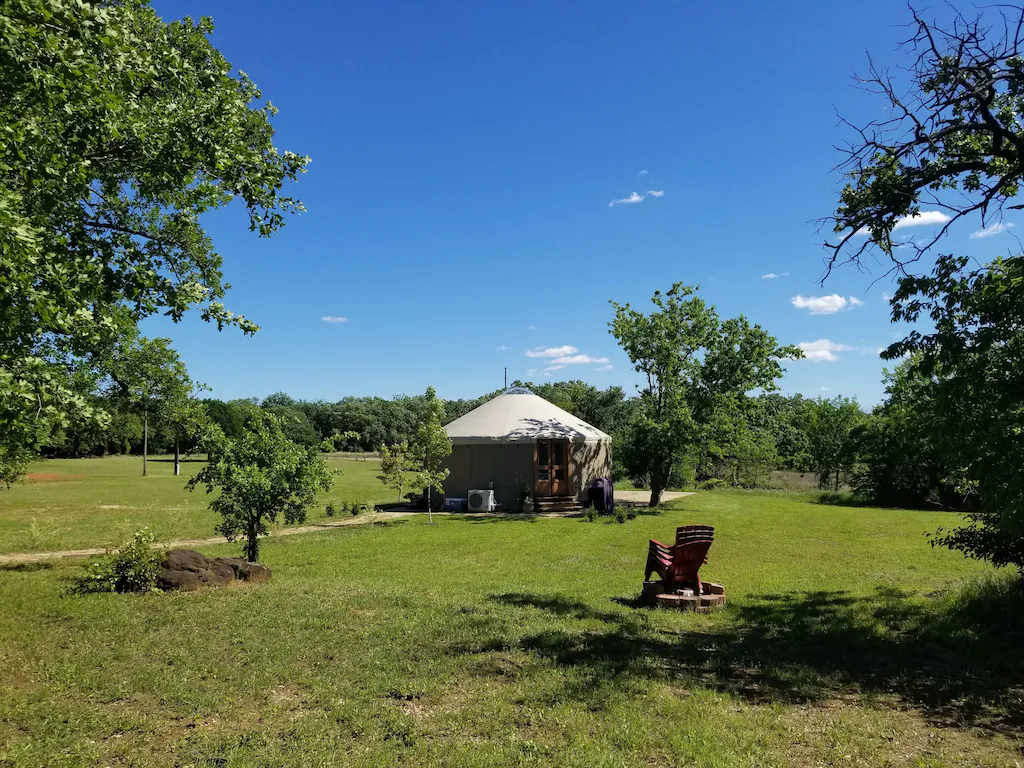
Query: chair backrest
x=686, y=534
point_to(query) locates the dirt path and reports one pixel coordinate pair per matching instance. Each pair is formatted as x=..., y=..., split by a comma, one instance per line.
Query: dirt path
x=33, y=557
x=14, y=558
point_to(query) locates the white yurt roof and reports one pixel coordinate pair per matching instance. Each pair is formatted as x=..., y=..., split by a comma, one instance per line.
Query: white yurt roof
x=517, y=416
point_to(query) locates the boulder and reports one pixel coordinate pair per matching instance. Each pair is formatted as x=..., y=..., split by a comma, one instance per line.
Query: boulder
x=186, y=581
x=187, y=570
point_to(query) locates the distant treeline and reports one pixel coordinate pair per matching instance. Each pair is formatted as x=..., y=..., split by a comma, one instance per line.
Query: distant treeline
x=772, y=432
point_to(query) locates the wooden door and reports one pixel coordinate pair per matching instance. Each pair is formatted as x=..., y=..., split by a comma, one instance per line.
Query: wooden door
x=551, y=458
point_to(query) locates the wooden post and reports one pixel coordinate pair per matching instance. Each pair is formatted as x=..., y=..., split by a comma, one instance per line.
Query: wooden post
x=177, y=458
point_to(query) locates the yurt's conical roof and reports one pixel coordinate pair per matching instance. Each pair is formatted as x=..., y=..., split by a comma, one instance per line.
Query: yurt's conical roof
x=517, y=416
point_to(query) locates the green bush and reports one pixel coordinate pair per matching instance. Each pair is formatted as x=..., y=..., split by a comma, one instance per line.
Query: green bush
x=133, y=568
x=591, y=514
x=712, y=484
x=329, y=510
x=620, y=515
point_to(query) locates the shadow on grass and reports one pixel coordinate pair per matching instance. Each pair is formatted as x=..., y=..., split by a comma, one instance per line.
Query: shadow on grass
x=958, y=659
x=26, y=567
x=849, y=499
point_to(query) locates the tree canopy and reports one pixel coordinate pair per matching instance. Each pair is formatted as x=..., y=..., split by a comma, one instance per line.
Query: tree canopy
x=117, y=132
x=695, y=366
x=952, y=140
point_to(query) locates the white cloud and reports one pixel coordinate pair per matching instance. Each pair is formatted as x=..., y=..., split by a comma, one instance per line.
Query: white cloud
x=531, y=371
x=532, y=327
x=822, y=350
x=334, y=319
x=825, y=389
x=554, y=368
x=604, y=368
x=552, y=351
x=995, y=229
x=922, y=219
x=825, y=305
x=579, y=360
x=886, y=297
x=642, y=173
x=773, y=275
x=636, y=197
x=502, y=348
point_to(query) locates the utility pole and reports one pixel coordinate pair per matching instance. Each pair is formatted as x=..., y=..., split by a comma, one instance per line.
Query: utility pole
x=506, y=377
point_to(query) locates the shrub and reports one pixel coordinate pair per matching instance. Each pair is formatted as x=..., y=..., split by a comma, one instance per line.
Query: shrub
x=329, y=510
x=591, y=514
x=620, y=515
x=133, y=568
x=712, y=484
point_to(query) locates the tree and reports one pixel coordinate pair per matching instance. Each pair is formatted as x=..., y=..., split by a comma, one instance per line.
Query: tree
x=431, y=446
x=119, y=132
x=695, y=366
x=261, y=475
x=152, y=380
x=974, y=359
x=953, y=138
x=395, y=465
x=899, y=459
x=831, y=438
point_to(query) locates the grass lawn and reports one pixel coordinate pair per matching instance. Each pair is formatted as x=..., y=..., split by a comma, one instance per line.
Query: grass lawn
x=847, y=641
x=78, y=503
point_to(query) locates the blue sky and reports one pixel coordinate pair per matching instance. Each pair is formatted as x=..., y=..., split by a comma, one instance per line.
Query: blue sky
x=464, y=158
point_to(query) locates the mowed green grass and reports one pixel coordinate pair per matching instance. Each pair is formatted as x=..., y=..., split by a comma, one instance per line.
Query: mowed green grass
x=81, y=503
x=847, y=641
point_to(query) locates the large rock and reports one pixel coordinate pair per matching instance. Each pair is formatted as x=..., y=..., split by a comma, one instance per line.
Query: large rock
x=187, y=570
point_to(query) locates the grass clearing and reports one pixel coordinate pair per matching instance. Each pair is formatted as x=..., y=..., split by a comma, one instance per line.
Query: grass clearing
x=78, y=503
x=848, y=641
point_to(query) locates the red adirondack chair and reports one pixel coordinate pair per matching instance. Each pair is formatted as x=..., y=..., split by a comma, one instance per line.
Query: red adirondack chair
x=678, y=565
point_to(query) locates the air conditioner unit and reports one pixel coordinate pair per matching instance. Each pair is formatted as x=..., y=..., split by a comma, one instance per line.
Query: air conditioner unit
x=481, y=501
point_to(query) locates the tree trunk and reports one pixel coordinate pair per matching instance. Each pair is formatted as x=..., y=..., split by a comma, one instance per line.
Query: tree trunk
x=177, y=458
x=430, y=515
x=837, y=480
x=145, y=441
x=252, y=545
x=657, y=486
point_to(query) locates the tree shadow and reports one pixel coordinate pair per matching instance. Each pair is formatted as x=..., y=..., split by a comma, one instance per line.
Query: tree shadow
x=496, y=518
x=957, y=659
x=41, y=565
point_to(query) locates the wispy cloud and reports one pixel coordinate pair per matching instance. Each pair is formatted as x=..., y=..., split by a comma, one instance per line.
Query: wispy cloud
x=994, y=229
x=579, y=360
x=531, y=371
x=552, y=351
x=825, y=389
x=334, y=319
x=532, y=327
x=822, y=350
x=886, y=297
x=922, y=219
x=642, y=173
x=604, y=368
x=636, y=197
x=554, y=368
x=773, y=275
x=825, y=305
x=502, y=348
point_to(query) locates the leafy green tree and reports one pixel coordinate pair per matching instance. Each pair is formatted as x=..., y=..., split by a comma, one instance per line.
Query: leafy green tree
x=952, y=138
x=152, y=380
x=831, y=438
x=899, y=462
x=261, y=475
x=431, y=447
x=974, y=358
x=395, y=465
x=119, y=131
x=695, y=366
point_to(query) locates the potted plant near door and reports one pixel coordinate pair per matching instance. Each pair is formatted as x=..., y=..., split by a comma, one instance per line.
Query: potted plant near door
x=526, y=500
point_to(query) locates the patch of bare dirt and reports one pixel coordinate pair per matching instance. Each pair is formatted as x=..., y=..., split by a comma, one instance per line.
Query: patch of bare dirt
x=50, y=477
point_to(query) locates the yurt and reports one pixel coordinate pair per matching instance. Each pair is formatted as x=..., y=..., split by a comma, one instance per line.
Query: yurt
x=520, y=441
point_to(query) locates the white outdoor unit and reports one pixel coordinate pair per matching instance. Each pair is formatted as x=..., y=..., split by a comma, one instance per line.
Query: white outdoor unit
x=481, y=501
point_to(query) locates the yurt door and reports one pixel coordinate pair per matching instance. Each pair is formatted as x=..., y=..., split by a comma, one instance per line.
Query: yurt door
x=552, y=462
